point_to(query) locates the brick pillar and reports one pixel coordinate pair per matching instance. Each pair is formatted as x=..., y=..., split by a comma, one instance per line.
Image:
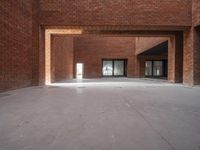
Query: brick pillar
x=41, y=56
x=191, y=73
x=197, y=56
x=175, y=58
x=35, y=42
x=142, y=67
x=171, y=59
x=188, y=58
x=53, y=63
x=137, y=66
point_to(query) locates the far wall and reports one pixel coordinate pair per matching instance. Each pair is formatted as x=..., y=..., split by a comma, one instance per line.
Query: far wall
x=91, y=51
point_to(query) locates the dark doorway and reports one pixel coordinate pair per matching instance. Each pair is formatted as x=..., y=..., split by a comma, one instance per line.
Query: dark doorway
x=114, y=67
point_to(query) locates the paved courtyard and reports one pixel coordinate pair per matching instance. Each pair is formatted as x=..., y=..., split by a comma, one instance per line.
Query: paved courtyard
x=101, y=114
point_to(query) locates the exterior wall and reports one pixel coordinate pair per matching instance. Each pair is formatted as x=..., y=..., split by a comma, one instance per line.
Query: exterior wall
x=143, y=13
x=91, y=51
x=15, y=44
x=62, y=58
x=20, y=39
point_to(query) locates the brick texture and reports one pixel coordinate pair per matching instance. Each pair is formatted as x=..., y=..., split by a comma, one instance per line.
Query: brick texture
x=197, y=56
x=22, y=25
x=196, y=12
x=62, y=58
x=196, y=42
x=15, y=44
x=91, y=51
x=191, y=74
x=116, y=12
x=145, y=43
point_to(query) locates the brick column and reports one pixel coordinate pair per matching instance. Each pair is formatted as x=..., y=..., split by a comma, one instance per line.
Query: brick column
x=35, y=42
x=175, y=58
x=191, y=73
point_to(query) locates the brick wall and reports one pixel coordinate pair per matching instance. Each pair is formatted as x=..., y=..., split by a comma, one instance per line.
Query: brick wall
x=91, y=51
x=191, y=67
x=197, y=56
x=145, y=43
x=15, y=44
x=196, y=12
x=196, y=38
x=62, y=58
x=20, y=39
x=116, y=12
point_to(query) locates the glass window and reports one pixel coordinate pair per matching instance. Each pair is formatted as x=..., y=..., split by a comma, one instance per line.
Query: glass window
x=148, y=68
x=107, y=68
x=158, y=68
x=118, y=67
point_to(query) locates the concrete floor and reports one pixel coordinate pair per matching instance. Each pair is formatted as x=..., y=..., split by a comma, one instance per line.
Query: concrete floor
x=101, y=114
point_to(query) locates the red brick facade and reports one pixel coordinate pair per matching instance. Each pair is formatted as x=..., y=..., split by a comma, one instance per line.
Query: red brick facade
x=196, y=12
x=196, y=23
x=191, y=69
x=144, y=43
x=15, y=44
x=91, y=51
x=22, y=24
x=62, y=58
x=116, y=12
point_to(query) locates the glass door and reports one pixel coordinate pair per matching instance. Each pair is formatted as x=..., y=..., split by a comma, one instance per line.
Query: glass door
x=107, y=68
x=119, y=67
x=157, y=68
x=114, y=67
x=148, y=68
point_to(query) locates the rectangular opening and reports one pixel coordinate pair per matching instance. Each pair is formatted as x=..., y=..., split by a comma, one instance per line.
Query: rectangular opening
x=79, y=70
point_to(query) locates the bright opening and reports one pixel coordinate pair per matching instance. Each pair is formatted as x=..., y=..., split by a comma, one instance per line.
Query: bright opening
x=79, y=70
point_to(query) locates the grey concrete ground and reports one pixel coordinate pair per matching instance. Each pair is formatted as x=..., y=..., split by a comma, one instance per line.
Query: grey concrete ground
x=106, y=114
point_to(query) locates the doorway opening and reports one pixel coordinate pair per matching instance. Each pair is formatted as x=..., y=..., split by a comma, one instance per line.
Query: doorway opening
x=141, y=54
x=114, y=67
x=79, y=70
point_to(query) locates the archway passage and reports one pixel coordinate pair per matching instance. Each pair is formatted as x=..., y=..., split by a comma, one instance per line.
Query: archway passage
x=64, y=48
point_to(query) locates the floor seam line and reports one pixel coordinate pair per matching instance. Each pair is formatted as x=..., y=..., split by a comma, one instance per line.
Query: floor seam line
x=156, y=131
